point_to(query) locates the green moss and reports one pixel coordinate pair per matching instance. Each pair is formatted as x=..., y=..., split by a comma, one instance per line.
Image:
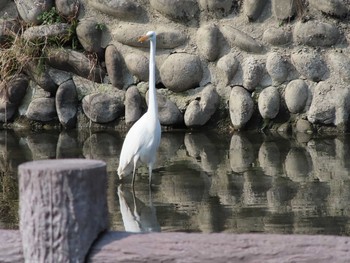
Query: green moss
x=50, y=17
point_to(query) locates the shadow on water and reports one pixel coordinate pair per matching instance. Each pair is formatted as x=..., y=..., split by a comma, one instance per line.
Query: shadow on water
x=204, y=182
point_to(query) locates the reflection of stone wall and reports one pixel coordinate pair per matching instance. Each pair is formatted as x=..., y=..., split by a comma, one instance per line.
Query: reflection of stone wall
x=286, y=56
x=264, y=184
x=204, y=183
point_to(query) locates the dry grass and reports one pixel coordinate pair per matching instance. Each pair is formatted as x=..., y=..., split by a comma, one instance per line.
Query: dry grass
x=16, y=52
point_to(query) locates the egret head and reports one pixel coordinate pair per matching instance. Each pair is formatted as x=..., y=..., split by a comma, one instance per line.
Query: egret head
x=149, y=36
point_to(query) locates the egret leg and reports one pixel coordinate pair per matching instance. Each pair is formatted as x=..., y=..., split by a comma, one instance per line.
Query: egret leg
x=134, y=172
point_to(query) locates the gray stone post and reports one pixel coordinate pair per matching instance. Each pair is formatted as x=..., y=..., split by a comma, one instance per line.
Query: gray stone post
x=63, y=208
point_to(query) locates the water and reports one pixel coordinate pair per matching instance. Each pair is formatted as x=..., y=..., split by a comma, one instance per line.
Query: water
x=205, y=182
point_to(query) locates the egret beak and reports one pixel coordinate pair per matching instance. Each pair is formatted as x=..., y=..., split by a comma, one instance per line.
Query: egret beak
x=143, y=38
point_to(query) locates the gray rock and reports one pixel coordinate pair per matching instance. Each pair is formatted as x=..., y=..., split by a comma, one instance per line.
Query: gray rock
x=220, y=8
x=169, y=114
x=67, y=104
x=316, y=33
x=114, y=66
x=310, y=65
x=283, y=9
x=277, y=66
x=331, y=7
x=296, y=95
x=40, y=76
x=330, y=105
x=253, y=72
x=42, y=109
x=30, y=10
x=284, y=128
x=33, y=92
x=340, y=64
x=133, y=105
x=207, y=41
x=86, y=87
x=59, y=31
x=137, y=65
x=68, y=8
x=11, y=96
x=167, y=37
x=277, y=36
x=179, y=10
x=15, y=89
x=322, y=106
x=303, y=126
x=122, y=9
x=181, y=72
x=253, y=8
x=75, y=62
x=89, y=34
x=269, y=102
x=102, y=107
x=239, y=39
x=59, y=76
x=228, y=66
x=241, y=107
x=200, y=110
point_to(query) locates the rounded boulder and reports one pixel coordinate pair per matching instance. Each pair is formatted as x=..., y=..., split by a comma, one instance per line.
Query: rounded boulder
x=241, y=107
x=269, y=102
x=296, y=95
x=67, y=104
x=181, y=72
x=200, y=110
x=102, y=107
x=137, y=65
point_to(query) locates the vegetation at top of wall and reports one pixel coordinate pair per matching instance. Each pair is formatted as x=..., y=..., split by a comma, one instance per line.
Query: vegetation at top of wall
x=16, y=51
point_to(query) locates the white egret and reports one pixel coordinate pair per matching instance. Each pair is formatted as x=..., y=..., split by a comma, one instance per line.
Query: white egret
x=142, y=140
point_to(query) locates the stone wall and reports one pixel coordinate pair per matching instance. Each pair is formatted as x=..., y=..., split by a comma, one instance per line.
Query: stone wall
x=253, y=63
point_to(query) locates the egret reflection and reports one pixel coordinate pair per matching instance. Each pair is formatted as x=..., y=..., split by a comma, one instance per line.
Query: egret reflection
x=137, y=216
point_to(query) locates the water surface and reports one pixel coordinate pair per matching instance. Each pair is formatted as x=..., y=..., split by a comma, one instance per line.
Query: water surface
x=204, y=182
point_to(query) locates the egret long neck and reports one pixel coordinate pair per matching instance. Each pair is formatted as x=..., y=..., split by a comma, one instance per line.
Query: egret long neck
x=152, y=96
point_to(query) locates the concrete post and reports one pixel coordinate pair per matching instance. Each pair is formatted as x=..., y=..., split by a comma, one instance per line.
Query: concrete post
x=63, y=208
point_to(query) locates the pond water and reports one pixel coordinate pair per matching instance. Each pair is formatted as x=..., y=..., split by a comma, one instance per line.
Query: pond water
x=205, y=182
